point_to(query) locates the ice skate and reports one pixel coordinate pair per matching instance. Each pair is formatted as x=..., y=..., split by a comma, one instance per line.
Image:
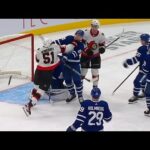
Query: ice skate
x=80, y=99
x=147, y=112
x=70, y=98
x=133, y=99
x=27, y=108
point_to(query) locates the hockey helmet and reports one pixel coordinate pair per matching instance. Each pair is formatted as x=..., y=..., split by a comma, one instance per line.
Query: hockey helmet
x=145, y=37
x=95, y=93
x=80, y=33
x=95, y=23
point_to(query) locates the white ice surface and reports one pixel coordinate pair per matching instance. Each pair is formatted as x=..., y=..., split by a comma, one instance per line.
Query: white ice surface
x=59, y=116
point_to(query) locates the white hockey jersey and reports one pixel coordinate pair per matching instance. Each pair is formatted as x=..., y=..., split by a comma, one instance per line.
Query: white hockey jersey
x=47, y=58
x=99, y=39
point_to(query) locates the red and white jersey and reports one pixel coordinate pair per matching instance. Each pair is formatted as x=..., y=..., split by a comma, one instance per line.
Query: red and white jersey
x=99, y=38
x=47, y=58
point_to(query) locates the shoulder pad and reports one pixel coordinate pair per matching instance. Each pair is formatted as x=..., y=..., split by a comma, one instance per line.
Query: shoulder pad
x=141, y=48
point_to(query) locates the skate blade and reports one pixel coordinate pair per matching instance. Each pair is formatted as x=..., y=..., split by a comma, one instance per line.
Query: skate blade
x=26, y=113
x=132, y=102
x=141, y=97
x=147, y=115
x=71, y=100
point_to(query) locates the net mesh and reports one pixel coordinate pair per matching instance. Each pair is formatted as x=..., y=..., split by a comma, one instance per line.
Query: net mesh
x=16, y=56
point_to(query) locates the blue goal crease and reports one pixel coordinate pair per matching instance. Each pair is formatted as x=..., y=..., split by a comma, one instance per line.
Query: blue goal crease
x=18, y=95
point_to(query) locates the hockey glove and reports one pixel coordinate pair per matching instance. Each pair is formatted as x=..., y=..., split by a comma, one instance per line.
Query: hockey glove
x=101, y=50
x=89, y=53
x=125, y=64
x=63, y=48
x=62, y=58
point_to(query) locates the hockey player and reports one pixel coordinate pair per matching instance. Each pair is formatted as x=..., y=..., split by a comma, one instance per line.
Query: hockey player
x=72, y=59
x=94, y=41
x=92, y=113
x=146, y=72
x=140, y=80
x=47, y=60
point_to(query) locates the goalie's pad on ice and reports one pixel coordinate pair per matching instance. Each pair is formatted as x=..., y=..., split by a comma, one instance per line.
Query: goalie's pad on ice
x=57, y=95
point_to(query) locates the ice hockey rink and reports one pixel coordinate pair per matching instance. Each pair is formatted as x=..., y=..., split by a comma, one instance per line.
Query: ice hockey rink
x=59, y=115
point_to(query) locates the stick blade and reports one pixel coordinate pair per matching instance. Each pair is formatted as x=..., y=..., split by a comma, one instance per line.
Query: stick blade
x=9, y=80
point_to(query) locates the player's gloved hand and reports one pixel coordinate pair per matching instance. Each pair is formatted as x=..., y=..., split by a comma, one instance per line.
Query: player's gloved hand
x=62, y=58
x=69, y=129
x=74, y=43
x=92, y=45
x=125, y=64
x=89, y=52
x=102, y=50
x=63, y=48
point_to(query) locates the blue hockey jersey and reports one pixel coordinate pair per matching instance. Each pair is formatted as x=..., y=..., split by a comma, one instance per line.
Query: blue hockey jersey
x=57, y=78
x=140, y=56
x=72, y=56
x=146, y=67
x=91, y=115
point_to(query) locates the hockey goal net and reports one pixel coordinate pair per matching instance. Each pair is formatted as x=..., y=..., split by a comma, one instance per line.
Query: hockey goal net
x=17, y=56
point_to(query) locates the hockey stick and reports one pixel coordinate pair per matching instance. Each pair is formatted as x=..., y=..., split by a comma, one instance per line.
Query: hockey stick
x=75, y=71
x=9, y=80
x=115, y=39
x=49, y=95
x=124, y=80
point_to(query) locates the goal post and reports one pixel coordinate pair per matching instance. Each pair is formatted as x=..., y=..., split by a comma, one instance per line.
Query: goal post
x=17, y=55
